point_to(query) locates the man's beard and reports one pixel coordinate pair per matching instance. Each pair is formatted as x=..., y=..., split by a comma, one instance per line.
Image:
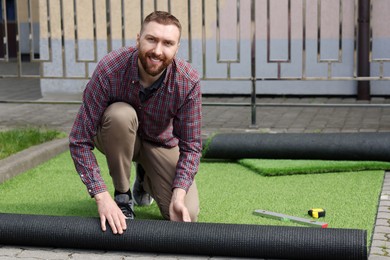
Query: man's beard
x=153, y=70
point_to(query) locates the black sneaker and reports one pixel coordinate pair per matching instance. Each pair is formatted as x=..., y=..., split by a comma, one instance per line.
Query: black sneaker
x=125, y=203
x=141, y=197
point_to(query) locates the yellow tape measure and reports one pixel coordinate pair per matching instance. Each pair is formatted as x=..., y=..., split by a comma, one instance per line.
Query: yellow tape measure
x=317, y=212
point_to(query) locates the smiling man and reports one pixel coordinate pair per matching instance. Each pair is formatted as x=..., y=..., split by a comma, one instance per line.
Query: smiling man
x=143, y=105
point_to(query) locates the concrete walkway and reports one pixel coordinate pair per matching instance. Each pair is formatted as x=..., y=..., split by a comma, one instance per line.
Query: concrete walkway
x=279, y=115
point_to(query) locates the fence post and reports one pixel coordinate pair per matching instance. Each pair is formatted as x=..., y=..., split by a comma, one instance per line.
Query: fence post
x=253, y=65
x=363, y=50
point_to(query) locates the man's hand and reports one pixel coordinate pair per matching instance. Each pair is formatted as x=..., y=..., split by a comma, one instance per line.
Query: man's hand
x=110, y=212
x=177, y=209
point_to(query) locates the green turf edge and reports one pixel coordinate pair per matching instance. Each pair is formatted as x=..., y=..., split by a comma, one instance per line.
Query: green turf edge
x=268, y=167
x=206, y=144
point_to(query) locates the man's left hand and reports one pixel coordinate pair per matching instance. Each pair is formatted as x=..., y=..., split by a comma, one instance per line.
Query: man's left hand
x=177, y=209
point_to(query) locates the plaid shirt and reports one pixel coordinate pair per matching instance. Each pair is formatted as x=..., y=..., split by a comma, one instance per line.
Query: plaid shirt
x=170, y=117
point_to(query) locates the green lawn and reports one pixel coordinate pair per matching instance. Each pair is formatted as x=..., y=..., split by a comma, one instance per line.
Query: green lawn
x=229, y=193
x=16, y=140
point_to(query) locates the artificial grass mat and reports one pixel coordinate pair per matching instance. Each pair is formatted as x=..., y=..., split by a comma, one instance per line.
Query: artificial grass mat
x=228, y=191
x=289, y=167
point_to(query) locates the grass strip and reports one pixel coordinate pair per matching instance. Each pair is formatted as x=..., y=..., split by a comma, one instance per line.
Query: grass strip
x=16, y=140
x=268, y=167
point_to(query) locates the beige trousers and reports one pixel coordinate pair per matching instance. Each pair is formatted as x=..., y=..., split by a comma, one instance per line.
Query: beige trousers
x=117, y=139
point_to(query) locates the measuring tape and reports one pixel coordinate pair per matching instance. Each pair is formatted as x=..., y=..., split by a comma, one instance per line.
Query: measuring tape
x=317, y=212
x=283, y=217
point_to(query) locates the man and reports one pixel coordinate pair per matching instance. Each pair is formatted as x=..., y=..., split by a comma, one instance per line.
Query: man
x=142, y=104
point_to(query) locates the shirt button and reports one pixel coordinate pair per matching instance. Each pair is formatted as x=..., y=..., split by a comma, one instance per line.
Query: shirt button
x=89, y=191
x=82, y=175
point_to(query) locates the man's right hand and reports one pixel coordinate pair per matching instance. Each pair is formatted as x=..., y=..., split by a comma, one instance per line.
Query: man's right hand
x=110, y=212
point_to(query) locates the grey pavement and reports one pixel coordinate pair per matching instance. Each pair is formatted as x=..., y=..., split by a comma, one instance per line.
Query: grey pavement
x=21, y=107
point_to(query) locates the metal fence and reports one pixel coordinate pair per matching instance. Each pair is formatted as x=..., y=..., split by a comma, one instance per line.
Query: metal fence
x=249, y=42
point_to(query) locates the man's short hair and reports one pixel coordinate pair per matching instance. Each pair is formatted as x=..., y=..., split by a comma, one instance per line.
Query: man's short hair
x=162, y=17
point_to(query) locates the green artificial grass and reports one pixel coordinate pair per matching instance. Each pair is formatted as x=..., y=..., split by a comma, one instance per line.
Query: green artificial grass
x=55, y=188
x=288, y=167
x=228, y=191
x=16, y=140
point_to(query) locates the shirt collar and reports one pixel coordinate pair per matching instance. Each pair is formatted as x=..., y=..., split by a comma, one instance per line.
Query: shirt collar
x=159, y=81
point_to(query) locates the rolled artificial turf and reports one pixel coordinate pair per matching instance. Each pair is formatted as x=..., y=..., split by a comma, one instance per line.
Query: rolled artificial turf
x=316, y=146
x=210, y=239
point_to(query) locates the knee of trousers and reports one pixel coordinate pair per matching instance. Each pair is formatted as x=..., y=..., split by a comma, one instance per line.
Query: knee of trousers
x=120, y=114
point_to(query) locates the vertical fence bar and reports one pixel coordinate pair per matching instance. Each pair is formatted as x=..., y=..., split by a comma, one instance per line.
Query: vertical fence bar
x=18, y=38
x=5, y=39
x=303, y=39
x=363, y=50
x=253, y=64
x=31, y=30
x=189, y=28
x=203, y=39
